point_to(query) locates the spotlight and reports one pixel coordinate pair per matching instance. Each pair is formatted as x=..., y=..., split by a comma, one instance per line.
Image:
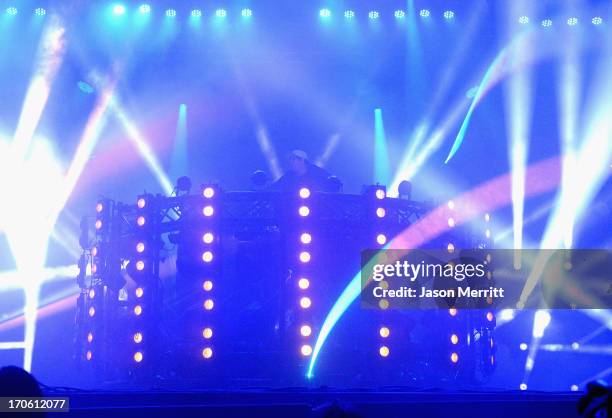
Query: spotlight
x=349, y=14
x=547, y=23
x=92, y=293
x=99, y=207
x=246, y=13
x=384, y=332
x=454, y=339
x=574, y=388
x=89, y=337
x=138, y=337
x=488, y=233
x=141, y=220
x=597, y=20
x=171, y=13
x=144, y=8
x=399, y=14
x=381, y=239
x=196, y=13
x=118, y=9
x=373, y=15
x=207, y=353
x=304, y=256
x=324, y=13
x=305, y=302
x=137, y=310
x=208, y=238
x=306, y=350
x=208, y=211
x=39, y=11
x=207, y=256
x=209, y=304
x=98, y=224
x=88, y=355
x=523, y=386
x=451, y=222
x=452, y=312
x=139, y=292
x=490, y=316
x=451, y=205
x=380, y=194
x=523, y=346
x=304, y=211
x=11, y=11
x=140, y=247
x=487, y=217
x=138, y=357
x=381, y=212
x=221, y=13
x=404, y=190
x=454, y=357
x=91, y=311
x=541, y=320
x=449, y=14
x=207, y=333
x=207, y=285
x=572, y=21
x=141, y=203
x=305, y=330
x=450, y=247
x=303, y=283
x=208, y=192
x=383, y=351
x=140, y=265
x=523, y=20
x=424, y=13
x=304, y=193
x=306, y=238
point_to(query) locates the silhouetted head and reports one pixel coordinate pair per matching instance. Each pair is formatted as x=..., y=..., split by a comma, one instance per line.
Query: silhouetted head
x=14, y=381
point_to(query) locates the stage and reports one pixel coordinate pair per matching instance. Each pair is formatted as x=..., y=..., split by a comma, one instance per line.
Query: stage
x=304, y=403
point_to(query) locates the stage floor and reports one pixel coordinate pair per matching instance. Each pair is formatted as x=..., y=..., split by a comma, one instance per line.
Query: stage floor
x=299, y=402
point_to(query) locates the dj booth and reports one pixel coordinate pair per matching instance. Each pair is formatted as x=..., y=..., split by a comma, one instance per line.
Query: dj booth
x=224, y=288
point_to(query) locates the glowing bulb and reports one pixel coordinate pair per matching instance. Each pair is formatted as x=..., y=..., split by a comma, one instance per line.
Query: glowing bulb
x=306, y=350
x=381, y=239
x=89, y=337
x=304, y=211
x=454, y=339
x=138, y=357
x=141, y=203
x=451, y=222
x=140, y=247
x=98, y=224
x=208, y=211
x=92, y=293
x=384, y=332
x=209, y=304
x=207, y=353
x=306, y=238
x=304, y=256
x=303, y=283
x=305, y=330
x=381, y=212
x=207, y=333
x=452, y=312
x=141, y=220
x=208, y=192
x=304, y=193
x=88, y=356
x=454, y=357
x=137, y=310
x=207, y=286
x=208, y=238
x=207, y=256
x=91, y=311
x=138, y=338
x=140, y=265
x=305, y=302
x=380, y=194
x=383, y=351
x=139, y=292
